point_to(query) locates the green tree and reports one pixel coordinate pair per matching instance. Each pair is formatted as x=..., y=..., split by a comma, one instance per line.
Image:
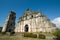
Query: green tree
x=57, y=34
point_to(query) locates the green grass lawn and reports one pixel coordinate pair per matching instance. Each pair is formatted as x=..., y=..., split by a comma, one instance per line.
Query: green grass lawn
x=19, y=37
x=16, y=38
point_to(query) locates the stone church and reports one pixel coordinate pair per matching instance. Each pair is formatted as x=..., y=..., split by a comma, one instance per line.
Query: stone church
x=34, y=22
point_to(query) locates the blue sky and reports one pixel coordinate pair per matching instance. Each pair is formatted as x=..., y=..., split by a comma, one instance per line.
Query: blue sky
x=51, y=8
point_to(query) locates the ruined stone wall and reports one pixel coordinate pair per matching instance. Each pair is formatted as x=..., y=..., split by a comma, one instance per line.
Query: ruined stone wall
x=36, y=22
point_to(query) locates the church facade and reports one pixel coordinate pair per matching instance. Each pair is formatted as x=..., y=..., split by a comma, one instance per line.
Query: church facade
x=34, y=22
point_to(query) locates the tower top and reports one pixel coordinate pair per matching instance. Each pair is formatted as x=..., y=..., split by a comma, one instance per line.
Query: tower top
x=12, y=11
x=38, y=10
x=43, y=14
x=27, y=9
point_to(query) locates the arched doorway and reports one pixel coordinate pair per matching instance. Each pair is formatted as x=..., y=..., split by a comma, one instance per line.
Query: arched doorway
x=26, y=28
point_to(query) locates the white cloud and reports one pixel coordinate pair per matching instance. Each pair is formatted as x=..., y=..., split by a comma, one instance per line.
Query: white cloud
x=56, y=21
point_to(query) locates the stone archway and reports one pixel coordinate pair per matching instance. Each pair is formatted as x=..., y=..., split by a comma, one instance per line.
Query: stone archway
x=26, y=28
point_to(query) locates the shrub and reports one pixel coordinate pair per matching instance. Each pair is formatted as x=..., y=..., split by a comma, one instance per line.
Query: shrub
x=12, y=33
x=34, y=35
x=3, y=33
x=26, y=34
x=57, y=34
x=42, y=36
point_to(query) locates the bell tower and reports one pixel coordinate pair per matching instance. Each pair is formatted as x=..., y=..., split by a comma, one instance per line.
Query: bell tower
x=9, y=24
